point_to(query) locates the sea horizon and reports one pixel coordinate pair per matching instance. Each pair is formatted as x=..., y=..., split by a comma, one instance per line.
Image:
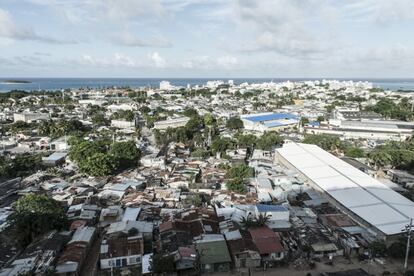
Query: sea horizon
x=57, y=83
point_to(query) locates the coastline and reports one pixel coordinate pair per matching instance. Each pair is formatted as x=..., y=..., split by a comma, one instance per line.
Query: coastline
x=51, y=84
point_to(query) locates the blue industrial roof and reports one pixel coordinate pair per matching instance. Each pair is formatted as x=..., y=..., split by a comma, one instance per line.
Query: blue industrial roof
x=316, y=123
x=273, y=124
x=270, y=208
x=269, y=117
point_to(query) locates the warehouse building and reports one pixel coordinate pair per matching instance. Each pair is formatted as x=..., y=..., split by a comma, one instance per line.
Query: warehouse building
x=29, y=117
x=171, y=123
x=269, y=121
x=381, y=210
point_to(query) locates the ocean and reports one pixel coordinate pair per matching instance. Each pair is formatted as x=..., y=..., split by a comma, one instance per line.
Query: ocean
x=65, y=83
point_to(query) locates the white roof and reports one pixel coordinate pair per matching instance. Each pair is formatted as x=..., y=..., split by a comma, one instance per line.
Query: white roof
x=146, y=263
x=125, y=226
x=233, y=235
x=365, y=196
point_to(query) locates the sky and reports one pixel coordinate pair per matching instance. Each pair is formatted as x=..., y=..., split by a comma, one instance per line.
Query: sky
x=207, y=38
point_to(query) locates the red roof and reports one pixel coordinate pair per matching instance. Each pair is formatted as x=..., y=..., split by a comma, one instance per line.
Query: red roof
x=166, y=226
x=187, y=251
x=265, y=240
x=76, y=224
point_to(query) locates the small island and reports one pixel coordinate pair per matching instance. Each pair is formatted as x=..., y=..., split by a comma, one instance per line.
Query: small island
x=15, y=81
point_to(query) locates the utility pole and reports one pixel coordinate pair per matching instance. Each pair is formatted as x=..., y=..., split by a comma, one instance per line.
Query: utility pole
x=407, y=252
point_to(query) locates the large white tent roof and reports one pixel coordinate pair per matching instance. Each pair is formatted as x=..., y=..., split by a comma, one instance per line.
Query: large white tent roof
x=365, y=196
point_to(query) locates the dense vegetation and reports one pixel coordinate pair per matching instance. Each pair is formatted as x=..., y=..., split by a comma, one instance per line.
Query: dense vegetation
x=389, y=109
x=236, y=177
x=333, y=143
x=162, y=264
x=234, y=123
x=55, y=129
x=34, y=215
x=126, y=115
x=326, y=142
x=21, y=165
x=395, y=154
x=102, y=158
x=259, y=221
x=195, y=132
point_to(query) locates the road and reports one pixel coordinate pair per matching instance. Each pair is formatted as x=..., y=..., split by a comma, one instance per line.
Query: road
x=340, y=264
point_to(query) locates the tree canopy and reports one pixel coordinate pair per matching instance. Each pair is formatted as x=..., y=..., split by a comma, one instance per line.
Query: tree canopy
x=236, y=177
x=234, y=123
x=259, y=221
x=60, y=127
x=21, y=165
x=127, y=115
x=33, y=215
x=326, y=142
x=126, y=153
x=394, y=154
x=102, y=158
x=390, y=109
x=269, y=140
x=162, y=264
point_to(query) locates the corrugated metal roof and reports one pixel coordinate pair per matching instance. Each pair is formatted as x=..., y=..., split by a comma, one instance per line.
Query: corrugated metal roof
x=271, y=208
x=131, y=213
x=269, y=117
x=83, y=234
x=365, y=196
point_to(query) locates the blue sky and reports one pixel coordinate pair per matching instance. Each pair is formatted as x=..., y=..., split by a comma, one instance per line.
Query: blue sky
x=206, y=38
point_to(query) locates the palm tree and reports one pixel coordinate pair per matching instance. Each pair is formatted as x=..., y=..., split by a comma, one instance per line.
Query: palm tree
x=247, y=222
x=259, y=221
x=262, y=220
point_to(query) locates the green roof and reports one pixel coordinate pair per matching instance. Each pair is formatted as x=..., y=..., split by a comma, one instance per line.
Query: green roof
x=213, y=252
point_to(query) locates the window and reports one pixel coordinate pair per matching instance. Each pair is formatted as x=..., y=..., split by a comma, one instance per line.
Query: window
x=133, y=260
x=118, y=262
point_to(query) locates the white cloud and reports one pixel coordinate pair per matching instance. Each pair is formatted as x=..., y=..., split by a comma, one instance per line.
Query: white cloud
x=9, y=29
x=299, y=37
x=209, y=63
x=280, y=26
x=157, y=60
x=227, y=62
x=120, y=60
x=377, y=11
x=126, y=38
x=77, y=11
x=132, y=9
x=117, y=60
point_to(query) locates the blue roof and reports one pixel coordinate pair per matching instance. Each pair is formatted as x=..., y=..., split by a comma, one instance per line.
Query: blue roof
x=270, y=208
x=273, y=124
x=269, y=117
x=316, y=123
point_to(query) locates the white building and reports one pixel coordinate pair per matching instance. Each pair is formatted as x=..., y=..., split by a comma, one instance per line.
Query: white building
x=29, y=117
x=371, y=203
x=122, y=124
x=153, y=161
x=172, y=123
x=165, y=85
x=121, y=252
x=269, y=121
x=365, y=129
x=273, y=212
